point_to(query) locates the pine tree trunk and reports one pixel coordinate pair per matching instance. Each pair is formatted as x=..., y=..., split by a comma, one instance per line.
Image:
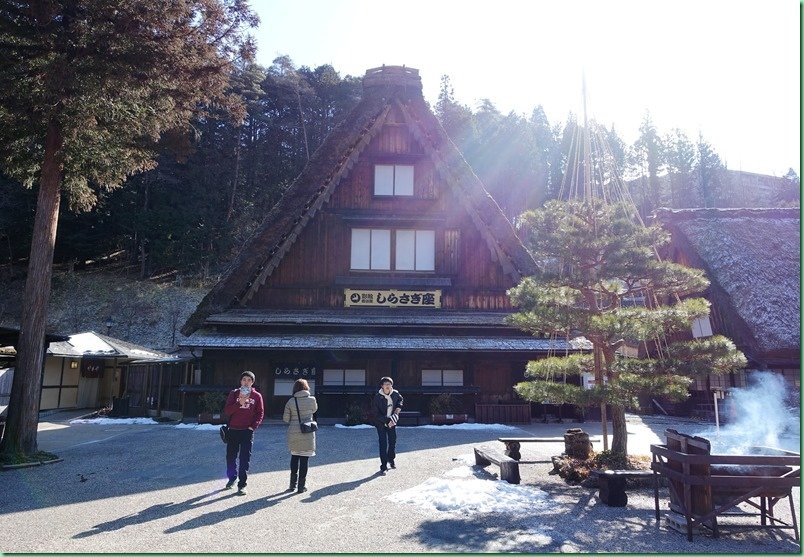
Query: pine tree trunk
x=619, y=434
x=23, y=409
x=236, y=178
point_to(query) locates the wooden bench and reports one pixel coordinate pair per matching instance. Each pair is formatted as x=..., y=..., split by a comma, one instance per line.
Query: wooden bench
x=512, y=444
x=509, y=468
x=612, y=484
x=407, y=417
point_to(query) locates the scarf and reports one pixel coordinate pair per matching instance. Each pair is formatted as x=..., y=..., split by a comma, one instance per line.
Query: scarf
x=390, y=408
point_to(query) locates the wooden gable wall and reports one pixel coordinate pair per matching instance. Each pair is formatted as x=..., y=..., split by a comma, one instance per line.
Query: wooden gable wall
x=306, y=277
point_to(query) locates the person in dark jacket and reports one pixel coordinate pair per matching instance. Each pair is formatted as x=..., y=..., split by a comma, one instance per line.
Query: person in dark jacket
x=245, y=409
x=386, y=406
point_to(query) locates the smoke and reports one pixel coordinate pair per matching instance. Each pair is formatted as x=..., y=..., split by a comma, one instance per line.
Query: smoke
x=766, y=413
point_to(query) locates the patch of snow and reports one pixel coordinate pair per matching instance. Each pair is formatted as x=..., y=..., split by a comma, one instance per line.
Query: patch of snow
x=460, y=472
x=466, y=427
x=359, y=426
x=472, y=495
x=467, y=458
x=115, y=421
x=199, y=427
x=90, y=342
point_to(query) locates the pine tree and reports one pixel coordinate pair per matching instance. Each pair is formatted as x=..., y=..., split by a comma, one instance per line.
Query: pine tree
x=595, y=263
x=649, y=159
x=709, y=171
x=680, y=156
x=87, y=88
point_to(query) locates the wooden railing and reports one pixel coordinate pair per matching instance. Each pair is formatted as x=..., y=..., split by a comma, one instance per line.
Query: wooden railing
x=502, y=413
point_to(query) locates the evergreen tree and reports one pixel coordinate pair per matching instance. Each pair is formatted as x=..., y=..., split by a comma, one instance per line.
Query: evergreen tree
x=789, y=194
x=648, y=159
x=457, y=119
x=595, y=261
x=680, y=157
x=709, y=172
x=544, y=145
x=87, y=87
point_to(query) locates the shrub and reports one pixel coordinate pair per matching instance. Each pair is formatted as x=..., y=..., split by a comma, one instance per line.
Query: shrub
x=354, y=414
x=446, y=403
x=211, y=401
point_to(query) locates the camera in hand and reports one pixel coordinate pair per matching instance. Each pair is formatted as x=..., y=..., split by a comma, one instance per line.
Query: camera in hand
x=245, y=391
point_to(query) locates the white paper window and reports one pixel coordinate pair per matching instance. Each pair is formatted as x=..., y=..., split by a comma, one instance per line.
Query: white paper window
x=361, y=248
x=384, y=179
x=442, y=377
x=415, y=250
x=701, y=327
x=283, y=387
x=344, y=377
x=371, y=249
x=354, y=377
x=453, y=377
x=431, y=378
x=425, y=250
x=403, y=180
x=393, y=179
x=406, y=250
x=380, y=249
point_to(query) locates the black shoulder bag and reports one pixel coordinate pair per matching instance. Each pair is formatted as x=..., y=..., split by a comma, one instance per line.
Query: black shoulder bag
x=308, y=426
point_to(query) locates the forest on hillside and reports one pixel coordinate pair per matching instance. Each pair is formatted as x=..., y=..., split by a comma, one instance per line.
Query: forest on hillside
x=190, y=215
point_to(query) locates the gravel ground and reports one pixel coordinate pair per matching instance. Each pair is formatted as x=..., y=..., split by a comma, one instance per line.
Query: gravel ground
x=157, y=488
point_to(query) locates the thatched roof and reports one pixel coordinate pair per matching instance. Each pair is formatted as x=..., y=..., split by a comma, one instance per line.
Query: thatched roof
x=383, y=88
x=754, y=257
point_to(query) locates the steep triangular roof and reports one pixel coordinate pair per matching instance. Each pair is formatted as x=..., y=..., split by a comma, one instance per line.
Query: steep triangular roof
x=383, y=89
x=754, y=257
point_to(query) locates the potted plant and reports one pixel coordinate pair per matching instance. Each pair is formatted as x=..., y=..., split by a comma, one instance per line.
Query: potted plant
x=447, y=409
x=210, y=408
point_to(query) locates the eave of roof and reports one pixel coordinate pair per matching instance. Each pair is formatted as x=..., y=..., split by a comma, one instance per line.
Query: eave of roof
x=369, y=342
x=366, y=317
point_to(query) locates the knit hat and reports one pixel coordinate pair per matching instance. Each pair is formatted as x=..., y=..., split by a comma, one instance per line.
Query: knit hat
x=247, y=374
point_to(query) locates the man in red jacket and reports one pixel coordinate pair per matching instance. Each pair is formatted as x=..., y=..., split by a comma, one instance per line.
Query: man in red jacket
x=245, y=409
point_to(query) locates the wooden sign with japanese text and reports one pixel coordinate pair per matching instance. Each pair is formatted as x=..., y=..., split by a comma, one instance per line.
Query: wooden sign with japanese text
x=392, y=298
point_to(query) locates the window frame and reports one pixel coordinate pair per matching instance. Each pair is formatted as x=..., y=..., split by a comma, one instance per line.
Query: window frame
x=343, y=382
x=392, y=250
x=441, y=374
x=394, y=192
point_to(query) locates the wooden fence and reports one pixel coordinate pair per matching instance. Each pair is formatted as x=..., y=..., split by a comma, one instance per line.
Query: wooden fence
x=502, y=413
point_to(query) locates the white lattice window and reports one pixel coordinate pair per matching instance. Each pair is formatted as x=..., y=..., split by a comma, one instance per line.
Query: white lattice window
x=284, y=387
x=415, y=250
x=393, y=179
x=345, y=377
x=371, y=249
x=442, y=378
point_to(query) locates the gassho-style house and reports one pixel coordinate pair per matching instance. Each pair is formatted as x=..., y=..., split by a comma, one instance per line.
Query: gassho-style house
x=386, y=256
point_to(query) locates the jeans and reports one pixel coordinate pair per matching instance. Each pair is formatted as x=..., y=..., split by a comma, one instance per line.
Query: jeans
x=387, y=439
x=239, y=443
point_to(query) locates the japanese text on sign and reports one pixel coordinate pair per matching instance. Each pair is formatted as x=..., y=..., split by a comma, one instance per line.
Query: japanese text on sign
x=392, y=298
x=295, y=371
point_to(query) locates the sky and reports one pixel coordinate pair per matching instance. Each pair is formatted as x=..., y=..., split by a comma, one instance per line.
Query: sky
x=727, y=69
